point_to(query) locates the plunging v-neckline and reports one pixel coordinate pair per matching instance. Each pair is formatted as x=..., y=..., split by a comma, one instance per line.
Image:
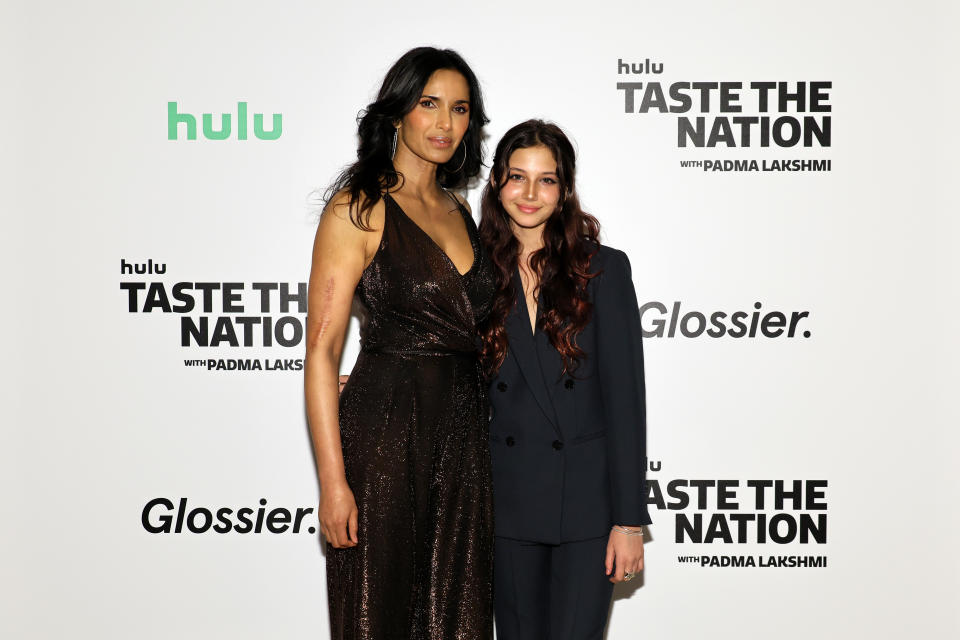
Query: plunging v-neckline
x=436, y=245
x=526, y=308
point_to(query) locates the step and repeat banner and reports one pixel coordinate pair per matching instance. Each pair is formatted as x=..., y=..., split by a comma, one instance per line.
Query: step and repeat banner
x=778, y=175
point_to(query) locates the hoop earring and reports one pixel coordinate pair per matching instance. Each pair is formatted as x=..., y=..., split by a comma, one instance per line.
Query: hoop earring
x=457, y=170
x=393, y=148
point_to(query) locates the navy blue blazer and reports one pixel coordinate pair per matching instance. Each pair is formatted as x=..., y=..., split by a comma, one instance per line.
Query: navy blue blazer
x=569, y=452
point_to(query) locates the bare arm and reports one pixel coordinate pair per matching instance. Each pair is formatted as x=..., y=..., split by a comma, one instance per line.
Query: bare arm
x=340, y=252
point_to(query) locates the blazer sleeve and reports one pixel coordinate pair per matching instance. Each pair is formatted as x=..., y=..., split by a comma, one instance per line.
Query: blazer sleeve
x=620, y=369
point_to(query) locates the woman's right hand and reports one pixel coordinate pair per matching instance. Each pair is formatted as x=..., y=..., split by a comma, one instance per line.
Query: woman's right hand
x=338, y=515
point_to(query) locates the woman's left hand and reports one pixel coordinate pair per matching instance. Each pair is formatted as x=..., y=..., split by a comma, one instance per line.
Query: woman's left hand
x=625, y=553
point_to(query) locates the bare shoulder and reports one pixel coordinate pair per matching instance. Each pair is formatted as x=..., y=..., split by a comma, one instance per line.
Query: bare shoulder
x=343, y=208
x=338, y=229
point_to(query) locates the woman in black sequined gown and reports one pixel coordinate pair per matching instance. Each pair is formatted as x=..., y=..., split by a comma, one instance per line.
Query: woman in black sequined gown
x=403, y=459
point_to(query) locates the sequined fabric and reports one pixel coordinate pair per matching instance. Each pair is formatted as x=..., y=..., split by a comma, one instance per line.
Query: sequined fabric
x=413, y=424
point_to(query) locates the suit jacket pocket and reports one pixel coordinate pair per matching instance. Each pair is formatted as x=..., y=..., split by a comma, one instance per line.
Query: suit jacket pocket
x=589, y=436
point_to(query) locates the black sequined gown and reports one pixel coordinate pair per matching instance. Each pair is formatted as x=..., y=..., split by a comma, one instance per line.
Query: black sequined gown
x=413, y=423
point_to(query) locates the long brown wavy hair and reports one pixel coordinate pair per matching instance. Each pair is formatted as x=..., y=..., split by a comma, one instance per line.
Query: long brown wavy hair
x=373, y=172
x=570, y=240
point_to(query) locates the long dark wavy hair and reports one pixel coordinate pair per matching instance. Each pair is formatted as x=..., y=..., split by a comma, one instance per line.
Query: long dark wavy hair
x=373, y=172
x=570, y=240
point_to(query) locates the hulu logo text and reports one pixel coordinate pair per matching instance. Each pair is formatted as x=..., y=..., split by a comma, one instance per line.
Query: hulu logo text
x=175, y=119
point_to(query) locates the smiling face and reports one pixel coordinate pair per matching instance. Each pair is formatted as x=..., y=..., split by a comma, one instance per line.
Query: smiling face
x=532, y=189
x=433, y=129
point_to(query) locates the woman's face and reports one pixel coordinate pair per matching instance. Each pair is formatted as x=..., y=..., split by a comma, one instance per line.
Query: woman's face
x=433, y=129
x=532, y=189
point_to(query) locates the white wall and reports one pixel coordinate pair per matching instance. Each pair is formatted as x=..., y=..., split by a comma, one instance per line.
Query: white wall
x=104, y=416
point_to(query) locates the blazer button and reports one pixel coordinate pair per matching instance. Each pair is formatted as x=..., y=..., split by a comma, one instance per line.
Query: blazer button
x=557, y=445
x=568, y=384
x=501, y=386
x=510, y=441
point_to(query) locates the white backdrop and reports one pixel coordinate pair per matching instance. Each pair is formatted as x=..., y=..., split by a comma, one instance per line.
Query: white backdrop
x=101, y=414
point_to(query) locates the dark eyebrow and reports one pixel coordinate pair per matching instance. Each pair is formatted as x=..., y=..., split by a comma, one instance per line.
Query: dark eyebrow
x=438, y=97
x=545, y=173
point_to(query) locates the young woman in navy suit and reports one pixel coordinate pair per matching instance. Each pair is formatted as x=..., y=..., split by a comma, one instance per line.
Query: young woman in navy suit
x=562, y=349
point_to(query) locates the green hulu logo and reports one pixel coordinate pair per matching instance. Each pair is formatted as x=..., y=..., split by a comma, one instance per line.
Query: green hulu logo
x=175, y=119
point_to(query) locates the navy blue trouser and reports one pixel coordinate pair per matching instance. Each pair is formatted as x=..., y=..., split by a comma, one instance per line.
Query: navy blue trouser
x=550, y=591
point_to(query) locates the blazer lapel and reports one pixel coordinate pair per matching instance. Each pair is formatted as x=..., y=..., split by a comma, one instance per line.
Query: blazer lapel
x=524, y=350
x=551, y=364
